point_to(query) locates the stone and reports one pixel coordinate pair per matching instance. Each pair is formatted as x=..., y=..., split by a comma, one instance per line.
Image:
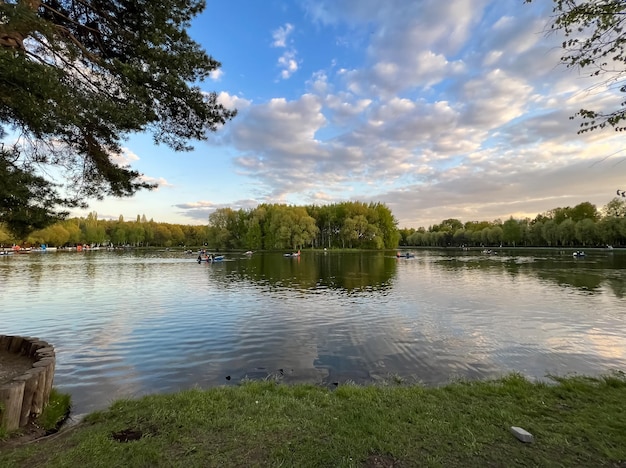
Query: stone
x=522, y=434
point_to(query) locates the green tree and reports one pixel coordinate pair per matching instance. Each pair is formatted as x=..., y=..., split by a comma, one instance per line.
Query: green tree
x=75, y=236
x=535, y=233
x=5, y=235
x=584, y=210
x=27, y=201
x=615, y=208
x=224, y=228
x=511, y=231
x=549, y=232
x=586, y=232
x=594, y=42
x=610, y=231
x=78, y=76
x=566, y=232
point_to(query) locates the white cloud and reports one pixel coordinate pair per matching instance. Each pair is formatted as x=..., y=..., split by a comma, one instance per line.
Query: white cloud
x=161, y=181
x=124, y=158
x=287, y=62
x=281, y=35
x=232, y=102
x=200, y=210
x=216, y=75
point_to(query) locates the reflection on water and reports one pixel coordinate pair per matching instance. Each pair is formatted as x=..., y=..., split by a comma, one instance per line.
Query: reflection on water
x=347, y=271
x=126, y=324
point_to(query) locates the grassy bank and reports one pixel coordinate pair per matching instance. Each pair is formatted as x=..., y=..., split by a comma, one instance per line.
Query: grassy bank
x=577, y=422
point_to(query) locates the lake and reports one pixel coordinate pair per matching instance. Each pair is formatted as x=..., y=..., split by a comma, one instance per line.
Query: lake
x=129, y=323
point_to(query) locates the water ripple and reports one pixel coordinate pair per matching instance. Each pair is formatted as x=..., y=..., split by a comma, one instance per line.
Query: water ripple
x=130, y=324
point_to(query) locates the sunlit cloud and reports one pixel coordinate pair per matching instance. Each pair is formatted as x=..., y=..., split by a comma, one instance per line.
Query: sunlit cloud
x=125, y=157
x=216, y=74
x=287, y=62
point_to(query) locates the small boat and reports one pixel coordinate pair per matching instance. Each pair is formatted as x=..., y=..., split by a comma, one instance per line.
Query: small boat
x=405, y=255
x=295, y=254
x=578, y=254
x=210, y=258
x=249, y=252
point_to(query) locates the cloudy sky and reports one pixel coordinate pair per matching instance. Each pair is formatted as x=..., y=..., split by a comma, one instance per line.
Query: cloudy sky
x=440, y=109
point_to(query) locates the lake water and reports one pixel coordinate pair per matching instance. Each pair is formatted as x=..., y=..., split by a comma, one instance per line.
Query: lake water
x=125, y=324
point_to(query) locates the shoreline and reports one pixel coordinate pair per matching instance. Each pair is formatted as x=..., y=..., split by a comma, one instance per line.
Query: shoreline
x=574, y=421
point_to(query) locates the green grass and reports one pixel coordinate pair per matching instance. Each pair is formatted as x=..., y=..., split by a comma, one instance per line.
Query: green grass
x=53, y=415
x=576, y=421
x=56, y=411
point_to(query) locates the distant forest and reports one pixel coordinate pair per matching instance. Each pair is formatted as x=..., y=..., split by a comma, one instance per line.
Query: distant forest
x=582, y=225
x=266, y=227
x=342, y=225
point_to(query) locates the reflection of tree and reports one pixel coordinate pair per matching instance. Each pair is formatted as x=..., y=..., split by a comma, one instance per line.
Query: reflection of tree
x=561, y=269
x=347, y=271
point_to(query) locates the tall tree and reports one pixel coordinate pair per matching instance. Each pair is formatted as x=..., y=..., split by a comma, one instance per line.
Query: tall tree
x=595, y=41
x=79, y=76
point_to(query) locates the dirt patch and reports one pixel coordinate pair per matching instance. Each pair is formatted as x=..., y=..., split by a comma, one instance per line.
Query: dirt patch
x=381, y=461
x=13, y=365
x=23, y=436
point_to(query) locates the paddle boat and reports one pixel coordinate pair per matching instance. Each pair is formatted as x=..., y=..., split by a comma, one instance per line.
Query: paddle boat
x=404, y=255
x=210, y=258
x=294, y=254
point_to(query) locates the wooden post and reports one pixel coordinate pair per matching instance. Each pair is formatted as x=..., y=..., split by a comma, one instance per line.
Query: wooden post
x=49, y=379
x=28, y=340
x=30, y=379
x=16, y=344
x=37, y=405
x=5, y=342
x=44, y=352
x=48, y=365
x=11, y=397
x=35, y=345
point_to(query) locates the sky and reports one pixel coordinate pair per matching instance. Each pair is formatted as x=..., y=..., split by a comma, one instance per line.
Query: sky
x=439, y=109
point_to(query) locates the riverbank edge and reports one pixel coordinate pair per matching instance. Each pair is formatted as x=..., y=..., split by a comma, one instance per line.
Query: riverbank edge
x=574, y=421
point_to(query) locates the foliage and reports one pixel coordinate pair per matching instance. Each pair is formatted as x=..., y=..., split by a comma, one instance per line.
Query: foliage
x=276, y=226
x=27, y=201
x=564, y=226
x=595, y=41
x=78, y=76
x=576, y=421
x=340, y=225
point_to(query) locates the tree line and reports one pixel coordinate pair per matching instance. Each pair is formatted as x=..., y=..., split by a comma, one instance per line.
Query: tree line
x=582, y=225
x=341, y=225
x=268, y=226
x=94, y=231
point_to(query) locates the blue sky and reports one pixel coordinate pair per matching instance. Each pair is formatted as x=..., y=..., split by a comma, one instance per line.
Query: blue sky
x=440, y=109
